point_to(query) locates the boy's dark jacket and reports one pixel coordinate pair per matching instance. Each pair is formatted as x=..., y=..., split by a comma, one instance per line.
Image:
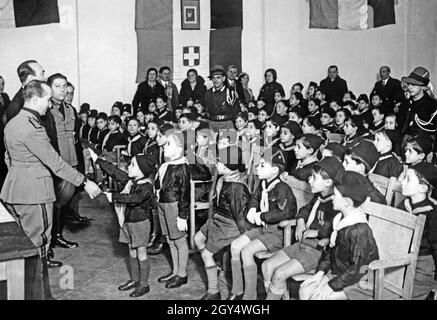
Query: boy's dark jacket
x=137, y=145
x=115, y=139
x=324, y=216
x=282, y=203
x=138, y=201
x=233, y=204
x=101, y=134
x=388, y=166
x=428, y=245
x=176, y=188
x=355, y=248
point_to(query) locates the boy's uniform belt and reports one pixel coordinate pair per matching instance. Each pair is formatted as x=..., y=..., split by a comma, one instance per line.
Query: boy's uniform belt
x=221, y=118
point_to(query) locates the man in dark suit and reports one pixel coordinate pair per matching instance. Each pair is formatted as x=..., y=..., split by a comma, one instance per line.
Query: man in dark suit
x=333, y=86
x=232, y=83
x=27, y=71
x=387, y=88
x=4, y=98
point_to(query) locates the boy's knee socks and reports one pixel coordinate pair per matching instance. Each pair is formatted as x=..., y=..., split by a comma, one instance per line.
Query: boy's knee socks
x=211, y=274
x=174, y=255
x=250, y=282
x=145, y=271
x=237, y=277
x=182, y=248
x=134, y=269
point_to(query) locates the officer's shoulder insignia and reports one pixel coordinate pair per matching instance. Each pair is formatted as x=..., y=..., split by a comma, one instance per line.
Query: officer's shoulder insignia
x=35, y=123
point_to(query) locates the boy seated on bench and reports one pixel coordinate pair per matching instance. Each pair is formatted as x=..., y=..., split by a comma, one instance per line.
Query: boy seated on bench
x=314, y=223
x=229, y=219
x=272, y=202
x=418, y=184
x=352, y=246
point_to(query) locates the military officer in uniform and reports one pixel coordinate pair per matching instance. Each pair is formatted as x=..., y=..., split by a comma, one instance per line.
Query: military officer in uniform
x=28, y=191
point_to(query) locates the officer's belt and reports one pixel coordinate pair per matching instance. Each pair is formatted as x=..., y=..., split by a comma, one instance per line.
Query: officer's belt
x=221, y=118
x=27, y=164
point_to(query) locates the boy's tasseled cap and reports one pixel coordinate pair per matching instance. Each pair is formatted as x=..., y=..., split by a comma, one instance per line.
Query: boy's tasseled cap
x=353, y=185
x=338, y=149
x=424, y=141
x=232, y=158
x=366, y=152
x=146, y=164
x=428, y=171
x=332, y=166
x=314, y=140
x=294, y=128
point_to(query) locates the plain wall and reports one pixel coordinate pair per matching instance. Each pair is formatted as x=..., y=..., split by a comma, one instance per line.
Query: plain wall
x=302, y=54
x=99, y=53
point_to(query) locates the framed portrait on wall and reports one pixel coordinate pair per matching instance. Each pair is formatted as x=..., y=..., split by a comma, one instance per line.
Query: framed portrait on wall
x=190, y=14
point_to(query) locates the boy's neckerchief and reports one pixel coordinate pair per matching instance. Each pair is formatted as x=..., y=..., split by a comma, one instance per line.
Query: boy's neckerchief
x=105, y=140
x=131, y=140
x=264, y=203
x=340, y=223
x=163, y=169
x=301, y=164
x=417, y=210
x=313, y=212
x=284, y=147
x=235, y=176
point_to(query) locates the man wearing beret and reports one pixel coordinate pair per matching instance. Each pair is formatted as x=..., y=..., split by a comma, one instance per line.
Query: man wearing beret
x=221, y=104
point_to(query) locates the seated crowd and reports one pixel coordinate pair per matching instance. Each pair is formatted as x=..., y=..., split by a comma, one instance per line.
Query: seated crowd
x=253, y=146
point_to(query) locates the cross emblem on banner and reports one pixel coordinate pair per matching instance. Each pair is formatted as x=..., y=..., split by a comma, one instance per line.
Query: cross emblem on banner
x=191, y=56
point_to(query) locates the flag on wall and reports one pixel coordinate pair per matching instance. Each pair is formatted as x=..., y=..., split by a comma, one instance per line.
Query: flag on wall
x=165, y=37
x=25, y=13
x=351, y=14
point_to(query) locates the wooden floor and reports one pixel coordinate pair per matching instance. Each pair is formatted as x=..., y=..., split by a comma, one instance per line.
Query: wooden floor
x=99, y=264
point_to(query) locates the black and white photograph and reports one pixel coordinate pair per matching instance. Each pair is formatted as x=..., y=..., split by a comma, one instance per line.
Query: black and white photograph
x=199, y=152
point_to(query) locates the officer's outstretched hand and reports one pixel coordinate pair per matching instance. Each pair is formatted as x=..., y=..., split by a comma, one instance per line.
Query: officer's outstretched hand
x=92, y=189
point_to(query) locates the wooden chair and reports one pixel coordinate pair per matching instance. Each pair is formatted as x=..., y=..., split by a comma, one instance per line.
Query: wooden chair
x=198, y=205
x=334, y=137
x=394, y=193
x=398, y=235
x=383, y=185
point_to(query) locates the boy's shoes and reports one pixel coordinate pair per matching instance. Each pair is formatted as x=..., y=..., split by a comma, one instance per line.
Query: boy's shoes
x=153, y=239
x=156, y=249
x=176, y=282
x=166, y=278
x=140, y=290
x=128, y=285
x=209, y=296
x=235, y=297
x=52, y=264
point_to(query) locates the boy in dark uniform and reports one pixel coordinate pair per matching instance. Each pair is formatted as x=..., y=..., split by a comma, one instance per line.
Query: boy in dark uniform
x=102, y=126
x=163, y=114
x=272, y=202
x=354, y=131
x=327, y=118
x=388, y=164
x=418, y=184
x=136, y=140
x=307, y=147
x=290, y=131
x=378, y=123
x=352, y=246
x=138, y=195
x=113, y=138
x=314, y=223
x=229, y=219
x=364, y=112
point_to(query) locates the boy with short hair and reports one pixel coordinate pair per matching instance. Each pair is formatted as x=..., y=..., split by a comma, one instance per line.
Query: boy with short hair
x=388, y=164
x=364, y=112
x=378, y=120
x=113, y=138
x=173, y=207
x=296, y=114
x=327, y=117
x=307, y=147
x=163, y=114
x=102, y=125
x=272, y=202
x=352, y=246
x=417, y=149
x=290, y=131
x=314, y=223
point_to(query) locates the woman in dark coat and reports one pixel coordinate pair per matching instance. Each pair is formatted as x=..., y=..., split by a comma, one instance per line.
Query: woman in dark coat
x=148, y=91
x=270, y=87
x=192, y=88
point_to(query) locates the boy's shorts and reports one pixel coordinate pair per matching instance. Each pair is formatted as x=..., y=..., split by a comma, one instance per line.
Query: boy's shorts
x=135, y=233
x=307, y=256
x=219, y=232
x=272, y=237
x=168, y=214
